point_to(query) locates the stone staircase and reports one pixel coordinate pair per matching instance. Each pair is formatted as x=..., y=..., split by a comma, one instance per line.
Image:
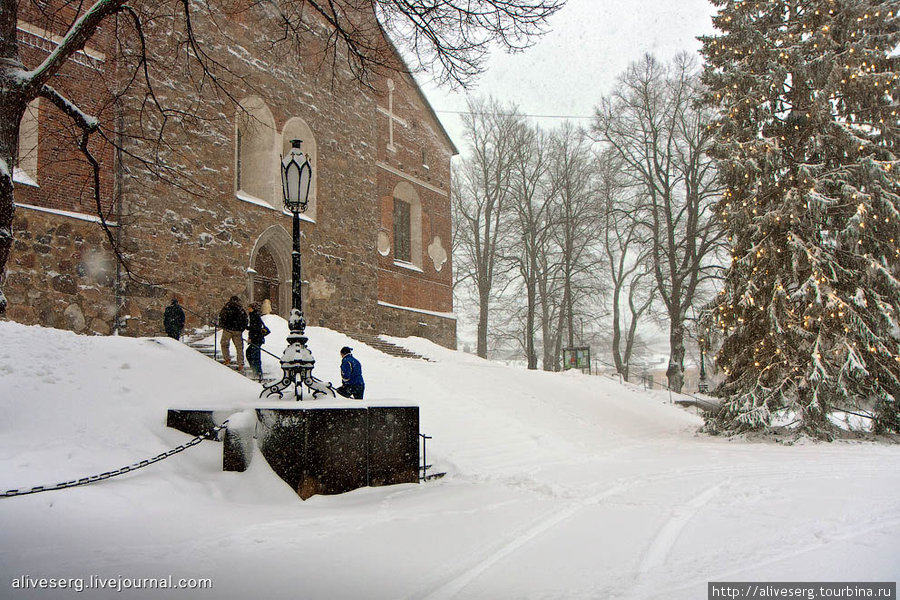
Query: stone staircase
x=387, y=347
x=198, y=341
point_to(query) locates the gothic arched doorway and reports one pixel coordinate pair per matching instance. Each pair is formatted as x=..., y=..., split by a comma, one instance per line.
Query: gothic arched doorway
x=266, y=282
x=269, y=272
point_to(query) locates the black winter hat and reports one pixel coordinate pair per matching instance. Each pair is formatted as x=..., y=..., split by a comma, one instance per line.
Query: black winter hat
x=346, y=350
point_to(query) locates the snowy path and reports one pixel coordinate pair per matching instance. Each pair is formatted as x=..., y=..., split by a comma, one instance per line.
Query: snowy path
x=558, y=486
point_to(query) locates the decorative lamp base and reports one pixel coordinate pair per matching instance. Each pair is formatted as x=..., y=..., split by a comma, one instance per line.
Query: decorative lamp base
x=305, y=386
x=297, y=363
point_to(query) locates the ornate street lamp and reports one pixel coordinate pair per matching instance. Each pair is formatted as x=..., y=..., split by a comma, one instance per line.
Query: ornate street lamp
x=297, y=362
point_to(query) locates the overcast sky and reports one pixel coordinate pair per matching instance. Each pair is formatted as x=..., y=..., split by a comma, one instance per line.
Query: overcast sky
x=565, y=73
x=589, y=44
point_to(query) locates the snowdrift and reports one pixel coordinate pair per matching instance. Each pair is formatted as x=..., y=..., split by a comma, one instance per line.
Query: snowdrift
x=558, y=486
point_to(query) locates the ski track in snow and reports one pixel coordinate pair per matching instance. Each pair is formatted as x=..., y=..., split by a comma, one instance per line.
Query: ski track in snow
x=494, y=555
x=669, y=533
x=659, y=547
x=474, y=567
x=780, y=557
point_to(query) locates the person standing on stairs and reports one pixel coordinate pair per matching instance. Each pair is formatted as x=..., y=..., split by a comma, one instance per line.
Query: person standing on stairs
x=173, y=319
x=233, y=321
x=256, y=335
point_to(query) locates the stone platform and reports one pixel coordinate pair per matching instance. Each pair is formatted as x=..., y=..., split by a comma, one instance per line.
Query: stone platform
x=318, y=448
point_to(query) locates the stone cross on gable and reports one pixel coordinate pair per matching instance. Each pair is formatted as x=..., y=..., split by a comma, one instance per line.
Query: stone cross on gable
x=391, y=116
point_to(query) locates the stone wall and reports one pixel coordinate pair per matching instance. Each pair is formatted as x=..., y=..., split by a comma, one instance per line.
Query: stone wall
x=61, y=273
x=199, y=239
x=185, y=228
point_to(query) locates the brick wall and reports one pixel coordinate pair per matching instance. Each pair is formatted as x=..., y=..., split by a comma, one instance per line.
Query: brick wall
x=420, y=157
x=68, y=185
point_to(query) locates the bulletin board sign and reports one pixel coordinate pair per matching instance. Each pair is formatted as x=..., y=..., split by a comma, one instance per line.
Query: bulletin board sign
x=577, y=358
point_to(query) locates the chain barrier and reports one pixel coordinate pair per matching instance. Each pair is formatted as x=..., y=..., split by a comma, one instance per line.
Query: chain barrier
x=110, y=474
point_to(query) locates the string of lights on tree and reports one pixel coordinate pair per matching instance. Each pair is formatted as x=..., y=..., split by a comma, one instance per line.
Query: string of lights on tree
x=807, y=144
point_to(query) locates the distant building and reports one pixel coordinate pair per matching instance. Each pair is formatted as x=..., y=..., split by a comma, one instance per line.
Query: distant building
x=376, y=238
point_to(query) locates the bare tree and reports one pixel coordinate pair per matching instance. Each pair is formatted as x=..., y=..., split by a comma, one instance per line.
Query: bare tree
x=452, y=37
x=532, y=229
x=481, y=206
x=550, y=286
x=627, y=256
x=575, y=217
x=653, y=122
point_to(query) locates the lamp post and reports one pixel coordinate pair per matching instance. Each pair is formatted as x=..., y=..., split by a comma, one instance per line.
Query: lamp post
x=297, y=362
x=703, y=386
x=296, y=176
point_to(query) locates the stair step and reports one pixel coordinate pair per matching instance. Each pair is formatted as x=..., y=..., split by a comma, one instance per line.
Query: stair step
x=211, y=351
x=387, y=347
x=197, y=335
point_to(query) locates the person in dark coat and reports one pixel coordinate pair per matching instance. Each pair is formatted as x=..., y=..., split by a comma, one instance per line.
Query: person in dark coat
x=351, y=376
x=233, y=321
x=256, y=334
x=173, y=319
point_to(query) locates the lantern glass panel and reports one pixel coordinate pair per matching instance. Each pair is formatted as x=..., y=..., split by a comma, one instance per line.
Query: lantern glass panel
x=296, y=176
x=303, y=184
x=290, y=177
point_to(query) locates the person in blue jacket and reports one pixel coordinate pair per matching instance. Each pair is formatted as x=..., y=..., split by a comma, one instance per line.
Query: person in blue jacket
x=351, y=376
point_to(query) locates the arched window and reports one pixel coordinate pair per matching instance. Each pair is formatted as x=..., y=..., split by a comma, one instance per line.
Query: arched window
x=297, y=129
x=407, y=225
x=26, y=167
x=256, y=164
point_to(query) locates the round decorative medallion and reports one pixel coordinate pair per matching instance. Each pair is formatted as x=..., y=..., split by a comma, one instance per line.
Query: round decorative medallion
x=384, y=243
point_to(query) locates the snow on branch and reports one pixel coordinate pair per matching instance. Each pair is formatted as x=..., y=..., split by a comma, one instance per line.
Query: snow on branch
x=82, y=119
x=88, y=125
x=74, y=40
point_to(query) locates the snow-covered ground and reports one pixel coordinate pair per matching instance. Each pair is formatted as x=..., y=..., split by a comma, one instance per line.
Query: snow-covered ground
x=557, y=486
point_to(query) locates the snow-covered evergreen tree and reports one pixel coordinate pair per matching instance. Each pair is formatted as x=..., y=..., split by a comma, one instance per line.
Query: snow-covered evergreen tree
x=808, y=142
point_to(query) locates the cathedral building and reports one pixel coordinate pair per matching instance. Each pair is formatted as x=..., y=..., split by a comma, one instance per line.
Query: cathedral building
x=191, y=195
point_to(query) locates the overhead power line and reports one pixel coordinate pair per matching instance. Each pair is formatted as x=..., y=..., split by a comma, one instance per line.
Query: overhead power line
x=496, y=114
